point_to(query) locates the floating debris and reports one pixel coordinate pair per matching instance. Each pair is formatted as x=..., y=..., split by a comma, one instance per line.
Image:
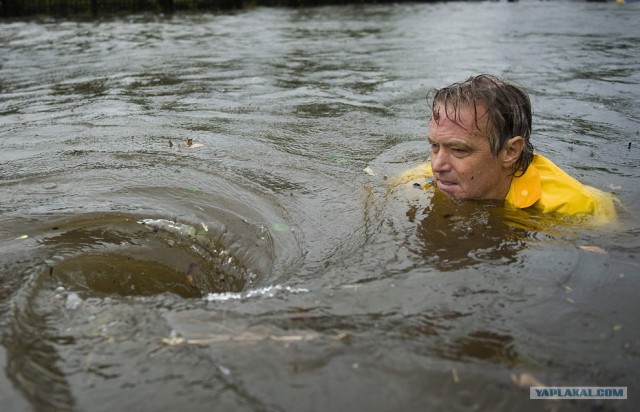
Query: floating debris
x=174, y=340
x=252, y=337
x=22, y=237
x=369, y=171
x=190, y=144
x=594, y=249
x=170, y=143
x=170, y=226
x=526, y=380
x=280, y=227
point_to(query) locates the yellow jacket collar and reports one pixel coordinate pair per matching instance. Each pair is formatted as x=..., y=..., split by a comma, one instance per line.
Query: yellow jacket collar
x=525, y=190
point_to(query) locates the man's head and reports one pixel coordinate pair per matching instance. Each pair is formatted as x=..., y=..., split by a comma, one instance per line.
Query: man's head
x=479, y=134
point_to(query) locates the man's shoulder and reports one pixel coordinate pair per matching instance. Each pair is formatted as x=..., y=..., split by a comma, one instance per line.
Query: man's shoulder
x=419, y=172
x=562, y=193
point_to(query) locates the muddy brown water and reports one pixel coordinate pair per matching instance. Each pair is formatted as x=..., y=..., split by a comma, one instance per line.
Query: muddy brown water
x=260, y=268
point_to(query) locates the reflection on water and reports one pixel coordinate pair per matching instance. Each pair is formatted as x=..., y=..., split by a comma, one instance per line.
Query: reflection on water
x=259, y=267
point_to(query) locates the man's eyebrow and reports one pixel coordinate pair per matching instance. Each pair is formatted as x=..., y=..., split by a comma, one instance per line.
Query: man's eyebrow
x=456, y=143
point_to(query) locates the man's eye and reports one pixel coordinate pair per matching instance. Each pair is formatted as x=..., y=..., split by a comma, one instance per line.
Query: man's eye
x=459, y=150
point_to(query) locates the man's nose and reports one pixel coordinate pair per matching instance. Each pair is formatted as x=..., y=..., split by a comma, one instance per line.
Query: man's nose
x=440, y=161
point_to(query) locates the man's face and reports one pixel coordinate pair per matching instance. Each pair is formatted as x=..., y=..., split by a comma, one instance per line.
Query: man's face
x=461, y=158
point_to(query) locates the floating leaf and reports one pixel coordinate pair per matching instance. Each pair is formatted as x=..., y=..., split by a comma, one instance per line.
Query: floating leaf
x=369, y=171
x=22, y=237
x=173, y=341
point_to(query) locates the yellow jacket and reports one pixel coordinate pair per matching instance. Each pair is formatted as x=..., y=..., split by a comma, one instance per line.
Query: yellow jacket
x=548, y=189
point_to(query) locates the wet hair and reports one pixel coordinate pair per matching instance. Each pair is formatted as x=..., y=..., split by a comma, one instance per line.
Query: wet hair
x=508, y=111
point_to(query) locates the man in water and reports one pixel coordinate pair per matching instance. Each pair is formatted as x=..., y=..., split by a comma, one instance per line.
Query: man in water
x=480, y=133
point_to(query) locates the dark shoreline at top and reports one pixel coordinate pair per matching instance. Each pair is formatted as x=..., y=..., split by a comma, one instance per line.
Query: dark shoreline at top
x=19, y=9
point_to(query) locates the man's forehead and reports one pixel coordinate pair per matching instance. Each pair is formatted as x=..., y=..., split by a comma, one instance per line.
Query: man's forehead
x=464, y=116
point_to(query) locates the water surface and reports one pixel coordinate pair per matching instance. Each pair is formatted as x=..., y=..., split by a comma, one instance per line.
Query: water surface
x=185, y=221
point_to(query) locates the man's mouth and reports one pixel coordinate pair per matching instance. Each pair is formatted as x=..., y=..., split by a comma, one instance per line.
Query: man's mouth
x=445, y=185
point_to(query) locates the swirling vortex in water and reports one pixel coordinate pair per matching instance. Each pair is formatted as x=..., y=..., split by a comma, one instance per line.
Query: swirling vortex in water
x=124, y=256
x=110, y=254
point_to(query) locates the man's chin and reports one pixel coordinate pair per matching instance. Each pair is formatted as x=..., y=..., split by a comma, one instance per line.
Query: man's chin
x=450, y=190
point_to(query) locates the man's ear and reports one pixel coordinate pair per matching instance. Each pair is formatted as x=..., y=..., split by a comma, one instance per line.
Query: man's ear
x=512, y=150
